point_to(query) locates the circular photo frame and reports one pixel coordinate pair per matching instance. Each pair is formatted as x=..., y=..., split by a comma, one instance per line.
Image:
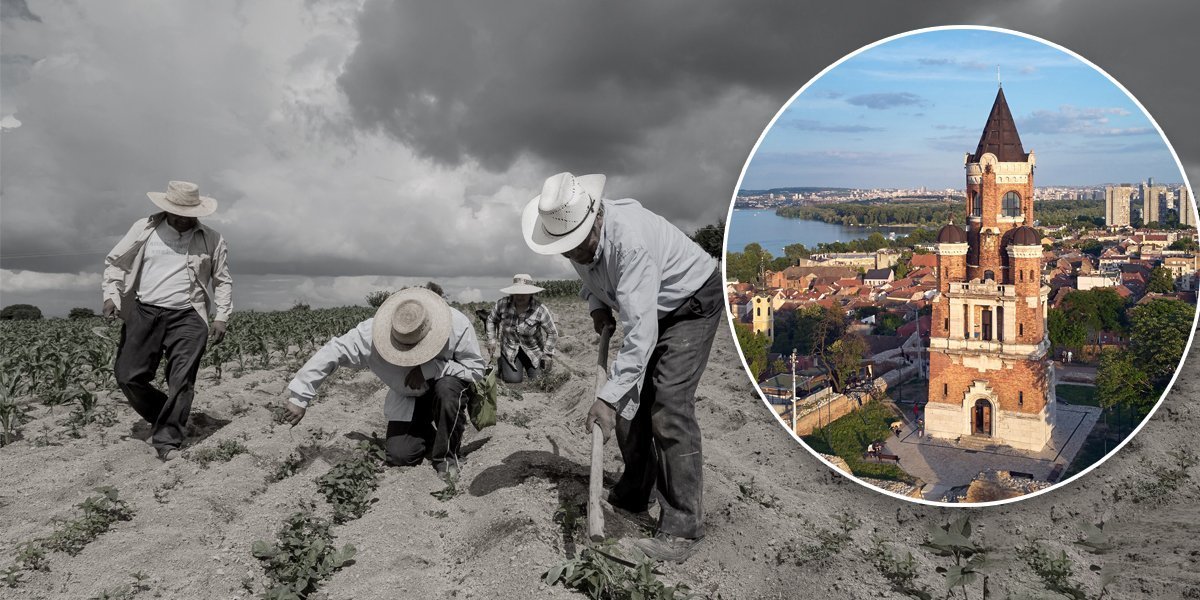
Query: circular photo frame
x=962, y=339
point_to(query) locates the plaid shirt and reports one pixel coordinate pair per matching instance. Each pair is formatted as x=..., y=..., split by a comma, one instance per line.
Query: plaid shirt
x=533, y=331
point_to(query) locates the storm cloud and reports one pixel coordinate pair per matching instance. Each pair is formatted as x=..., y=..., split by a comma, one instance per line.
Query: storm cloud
x=400, y=139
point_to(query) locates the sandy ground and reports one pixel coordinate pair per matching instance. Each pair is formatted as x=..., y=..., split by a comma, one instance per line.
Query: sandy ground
x=773, y=511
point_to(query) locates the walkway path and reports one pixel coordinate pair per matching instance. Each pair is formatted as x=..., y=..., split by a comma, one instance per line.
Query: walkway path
x=946, y=464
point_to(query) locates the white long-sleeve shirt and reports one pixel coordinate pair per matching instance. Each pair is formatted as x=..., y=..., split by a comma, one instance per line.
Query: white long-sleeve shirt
x=460, y=357
x=645, y=267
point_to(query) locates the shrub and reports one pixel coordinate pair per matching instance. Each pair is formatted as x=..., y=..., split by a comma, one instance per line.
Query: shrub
x=377, y=298
x=81, y=313
x=20, y=312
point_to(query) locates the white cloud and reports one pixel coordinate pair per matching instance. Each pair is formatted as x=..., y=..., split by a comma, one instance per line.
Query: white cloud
x=25, y=282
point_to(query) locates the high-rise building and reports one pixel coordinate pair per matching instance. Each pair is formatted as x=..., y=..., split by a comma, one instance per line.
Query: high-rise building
x=989, y=376
x=1154, y=199
x=1116, y=205
x=1186, y=204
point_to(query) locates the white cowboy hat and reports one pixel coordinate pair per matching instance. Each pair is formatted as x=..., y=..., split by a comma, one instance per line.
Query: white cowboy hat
x=411, y=327
x=561, y=217
x=183, y=198
x=522, y=284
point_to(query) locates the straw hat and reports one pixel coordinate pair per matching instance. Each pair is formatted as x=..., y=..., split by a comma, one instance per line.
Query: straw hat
x=522, y=284
x=561, y=217
x=183, y=198
x=411, y=327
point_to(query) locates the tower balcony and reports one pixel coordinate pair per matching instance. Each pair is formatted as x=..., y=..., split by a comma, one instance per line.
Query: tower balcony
x=982, y=289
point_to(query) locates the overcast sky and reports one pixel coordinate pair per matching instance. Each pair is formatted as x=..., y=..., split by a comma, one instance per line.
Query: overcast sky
x=359, y=145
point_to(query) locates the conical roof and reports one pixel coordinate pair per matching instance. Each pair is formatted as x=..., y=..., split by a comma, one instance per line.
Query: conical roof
x=1000, y=134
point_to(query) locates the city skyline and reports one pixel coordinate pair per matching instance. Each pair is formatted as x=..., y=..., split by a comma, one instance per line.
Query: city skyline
x=896, y=114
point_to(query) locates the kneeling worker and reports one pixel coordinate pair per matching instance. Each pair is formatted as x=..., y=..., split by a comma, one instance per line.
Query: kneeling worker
x=427, y=354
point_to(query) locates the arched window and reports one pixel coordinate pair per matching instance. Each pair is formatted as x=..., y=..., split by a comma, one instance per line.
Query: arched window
x=989, y=275
x=976, y=204
x=1011, y=205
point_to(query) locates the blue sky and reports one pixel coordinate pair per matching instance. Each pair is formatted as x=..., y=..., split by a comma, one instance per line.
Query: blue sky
x=903, y=113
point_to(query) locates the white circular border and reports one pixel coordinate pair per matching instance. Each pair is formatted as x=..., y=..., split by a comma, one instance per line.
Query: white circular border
x=725, y=274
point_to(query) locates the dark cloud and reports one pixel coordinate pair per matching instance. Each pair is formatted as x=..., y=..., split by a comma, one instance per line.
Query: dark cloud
x=886, y=100
x=485, y=99
x=17, y=9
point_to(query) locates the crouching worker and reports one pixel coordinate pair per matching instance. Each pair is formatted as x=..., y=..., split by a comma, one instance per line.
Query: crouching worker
x=427, y=354
x=525, y=331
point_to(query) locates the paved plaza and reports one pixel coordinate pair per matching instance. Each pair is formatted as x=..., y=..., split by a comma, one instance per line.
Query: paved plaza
x=946, y=464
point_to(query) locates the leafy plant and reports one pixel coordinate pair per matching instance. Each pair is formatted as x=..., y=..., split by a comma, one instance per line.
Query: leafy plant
x=99, y=513
x=224, y=452
x=601, y=578
x=450, y=491
x=349, y=485
x=127, y=591
x=900, y=572
x=288, y=467
x=552, y=380
x=970, y=559
x=12, y=416
x=302, y=556
x=748, y=492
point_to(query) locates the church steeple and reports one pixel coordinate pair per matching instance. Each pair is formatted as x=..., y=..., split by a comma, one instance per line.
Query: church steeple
x=1000, y=134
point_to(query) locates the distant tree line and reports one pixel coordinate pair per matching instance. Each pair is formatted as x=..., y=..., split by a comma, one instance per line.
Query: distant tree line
x=744, y=265
x=877, y=213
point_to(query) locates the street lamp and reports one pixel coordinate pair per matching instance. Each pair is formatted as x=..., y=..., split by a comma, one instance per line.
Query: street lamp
x=794, y=390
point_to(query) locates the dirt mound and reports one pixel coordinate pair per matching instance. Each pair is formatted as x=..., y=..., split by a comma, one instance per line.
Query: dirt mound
x=778, y=520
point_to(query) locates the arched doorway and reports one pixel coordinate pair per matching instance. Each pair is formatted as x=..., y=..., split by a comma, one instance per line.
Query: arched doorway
x=981, y=418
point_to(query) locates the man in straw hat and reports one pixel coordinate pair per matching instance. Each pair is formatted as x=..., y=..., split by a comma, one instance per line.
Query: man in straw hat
x=525, y=330
x=668, y=293
x=427, y=354
x=164, y=279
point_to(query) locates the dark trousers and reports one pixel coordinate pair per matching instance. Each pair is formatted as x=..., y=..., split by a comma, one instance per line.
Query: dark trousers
x=149, y=333
x=515, y=373
x=660, y=446
x=436, y=428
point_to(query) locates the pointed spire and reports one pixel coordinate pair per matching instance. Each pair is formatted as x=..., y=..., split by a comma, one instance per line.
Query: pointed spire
x=1000, y=134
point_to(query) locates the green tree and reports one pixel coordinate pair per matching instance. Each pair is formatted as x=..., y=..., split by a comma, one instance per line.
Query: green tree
x=81, y=313
x=903, y=265
x=711, y=238
x=1184, y=244
x=754, y=348
x=744, y=266
x=886, y=323
x=1122, y=384
x=844, y=358
x=1161, y=281
x=1065, y=332
x=1158, y=336
x=807, y=330
x=20, y=312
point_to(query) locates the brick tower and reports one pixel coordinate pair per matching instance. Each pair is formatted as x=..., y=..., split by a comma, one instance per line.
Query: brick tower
x=989, y=377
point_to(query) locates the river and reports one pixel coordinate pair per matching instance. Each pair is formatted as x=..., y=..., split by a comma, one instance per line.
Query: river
x=773, y=232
